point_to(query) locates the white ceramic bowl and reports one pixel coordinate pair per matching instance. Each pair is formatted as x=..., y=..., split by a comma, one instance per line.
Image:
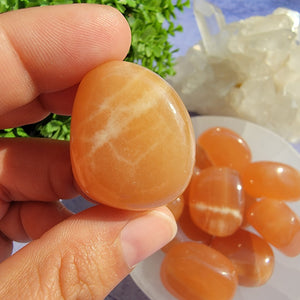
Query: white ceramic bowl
x=285, y=281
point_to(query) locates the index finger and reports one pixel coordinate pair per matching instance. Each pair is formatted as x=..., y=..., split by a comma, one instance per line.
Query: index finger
x=48, y=49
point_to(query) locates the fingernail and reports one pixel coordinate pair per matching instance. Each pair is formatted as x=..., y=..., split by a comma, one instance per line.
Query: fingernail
x=143, y=236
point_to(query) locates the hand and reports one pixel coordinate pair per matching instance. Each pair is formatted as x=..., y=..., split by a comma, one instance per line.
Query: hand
x=45, y=52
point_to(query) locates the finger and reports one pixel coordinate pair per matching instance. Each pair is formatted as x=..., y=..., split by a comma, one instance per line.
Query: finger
x=35, y=170
x=60, y=103
x=85, y=256
x=6, y=247
x=29, y=113
x=48, y=49
x=26, y=221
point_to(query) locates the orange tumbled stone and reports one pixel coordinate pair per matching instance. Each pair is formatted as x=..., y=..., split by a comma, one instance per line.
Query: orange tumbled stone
x=252, y=256
x=277, y=223
x=195, y=271
x=216, y=200
x=249, y=201
x=132, y=142
x=171, y=244
x=176, y=207
x=224, y=147
x=202, y=160
x=272, y=180
x=189, y=228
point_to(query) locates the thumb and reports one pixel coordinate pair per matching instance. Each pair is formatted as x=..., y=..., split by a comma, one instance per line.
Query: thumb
x=85, y=256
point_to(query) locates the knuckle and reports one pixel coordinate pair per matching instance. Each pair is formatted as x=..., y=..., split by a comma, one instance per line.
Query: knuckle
x=79, y=276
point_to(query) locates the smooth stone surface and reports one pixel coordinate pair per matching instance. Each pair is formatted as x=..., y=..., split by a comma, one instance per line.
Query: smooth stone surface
x=277, y=223
x=250, y=254
x=193, y=271
x=132, y=142
x=225, y=148
x=216, y=200
x=176, y=207
x=272, y=180
x=189, y=229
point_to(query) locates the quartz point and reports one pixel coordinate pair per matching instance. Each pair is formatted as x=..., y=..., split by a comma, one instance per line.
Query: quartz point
x=247, y=69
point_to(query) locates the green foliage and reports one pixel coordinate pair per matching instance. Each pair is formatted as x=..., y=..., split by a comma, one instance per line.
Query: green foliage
x=56, y=128
x=151, y=23
x=13, y=132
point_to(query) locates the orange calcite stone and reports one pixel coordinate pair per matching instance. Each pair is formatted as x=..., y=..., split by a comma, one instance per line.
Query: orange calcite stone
x=176, y=207
x=249, y=201
x=202, y=160
x=216, y=200
x=171, y=244
x=195, y=271
x=277, y=223
x=189, y=228
x=224, y=147
x=132, y=142
x=252, y=256
x=272, y=180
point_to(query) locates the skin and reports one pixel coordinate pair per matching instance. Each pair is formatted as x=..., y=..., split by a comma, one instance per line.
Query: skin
x=45, y=52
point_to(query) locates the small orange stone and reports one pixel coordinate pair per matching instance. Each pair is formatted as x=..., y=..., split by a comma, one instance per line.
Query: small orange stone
x=277, y=223
x=271, y=180
x=252, y=256
x=176, y=207
x=202, y=160
x=172, y=243
x=193, y=271
x=216, y=201
x=249, y=201
x=225, y=148
x=189, y=228
x=132, y=142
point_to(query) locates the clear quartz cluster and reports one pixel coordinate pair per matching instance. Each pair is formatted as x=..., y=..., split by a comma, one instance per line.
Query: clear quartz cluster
x=248, y=69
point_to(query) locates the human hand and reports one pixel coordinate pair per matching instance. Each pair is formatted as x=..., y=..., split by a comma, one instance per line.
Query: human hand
x=45, y=52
